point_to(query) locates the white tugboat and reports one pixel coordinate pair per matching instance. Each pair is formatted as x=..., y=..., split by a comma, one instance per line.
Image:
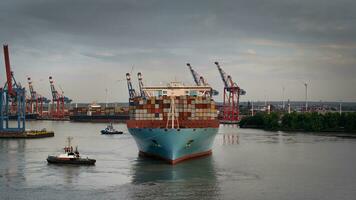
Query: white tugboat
x=70, y=157
x=110, y=130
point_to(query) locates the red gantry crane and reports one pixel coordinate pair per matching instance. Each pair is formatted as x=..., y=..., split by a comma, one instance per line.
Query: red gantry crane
x=232, y=94
x=12, y=100
x=58, y=101
x=36, y=101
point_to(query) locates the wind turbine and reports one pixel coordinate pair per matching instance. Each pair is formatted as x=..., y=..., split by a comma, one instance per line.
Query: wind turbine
x=283, y=104
x=305, y=83
x=306, y=96
x=106, y=97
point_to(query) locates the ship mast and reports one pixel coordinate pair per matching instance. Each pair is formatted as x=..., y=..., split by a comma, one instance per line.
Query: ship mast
x=69, y=140
x=172, y=112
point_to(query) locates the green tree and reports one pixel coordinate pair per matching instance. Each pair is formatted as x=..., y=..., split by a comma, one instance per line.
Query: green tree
x=350, y=122
x=253, y=121
x=271, y=122
x=316, y=122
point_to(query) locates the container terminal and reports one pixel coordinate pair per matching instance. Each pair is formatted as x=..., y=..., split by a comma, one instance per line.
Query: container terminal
x=13, y=102
x=59, y=107
x=98, y=113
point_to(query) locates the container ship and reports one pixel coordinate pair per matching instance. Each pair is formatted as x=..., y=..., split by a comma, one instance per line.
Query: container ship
x=29, y=116
x=97, y=113
x=173, y=122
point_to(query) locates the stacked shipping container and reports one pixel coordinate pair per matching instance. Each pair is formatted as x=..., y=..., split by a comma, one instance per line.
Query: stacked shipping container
x=190, y=111
x=93, y=111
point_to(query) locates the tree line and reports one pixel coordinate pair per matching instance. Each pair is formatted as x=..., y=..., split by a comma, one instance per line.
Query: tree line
x=311, y=122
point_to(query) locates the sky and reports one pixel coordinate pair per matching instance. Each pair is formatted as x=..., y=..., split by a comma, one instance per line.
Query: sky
x=89, y=45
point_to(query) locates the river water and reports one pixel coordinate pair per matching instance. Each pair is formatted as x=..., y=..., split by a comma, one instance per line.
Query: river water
x=246, y=164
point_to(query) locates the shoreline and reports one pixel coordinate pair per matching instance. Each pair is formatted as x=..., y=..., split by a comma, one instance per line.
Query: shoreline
x=334, y=133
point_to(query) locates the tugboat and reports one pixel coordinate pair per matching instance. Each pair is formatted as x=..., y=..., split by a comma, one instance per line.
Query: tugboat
x=70, y=156
x=110, y=130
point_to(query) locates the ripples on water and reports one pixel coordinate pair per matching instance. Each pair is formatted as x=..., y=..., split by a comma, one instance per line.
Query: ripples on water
x=246, y=164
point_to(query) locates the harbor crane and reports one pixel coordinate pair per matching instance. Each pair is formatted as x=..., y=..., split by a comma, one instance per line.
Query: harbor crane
x=231, y=97
x=58, y=101
x=132, y=92
x=199, y=80
x=12, y=100
x=143, y=93
x=36, y=101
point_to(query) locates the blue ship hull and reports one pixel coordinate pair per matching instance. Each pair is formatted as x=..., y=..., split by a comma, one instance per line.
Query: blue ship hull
x=174, y=145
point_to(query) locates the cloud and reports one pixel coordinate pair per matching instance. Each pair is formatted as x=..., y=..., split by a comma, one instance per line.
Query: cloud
x=251, y=52
x=88, y=44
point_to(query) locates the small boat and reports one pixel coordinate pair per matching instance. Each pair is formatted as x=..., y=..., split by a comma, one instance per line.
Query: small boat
x=110, y=130
x=70, y=157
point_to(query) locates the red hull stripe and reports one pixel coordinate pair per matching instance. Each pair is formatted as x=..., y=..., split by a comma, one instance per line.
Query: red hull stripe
x=63, y=158
x=163, y=124
x=178, y=160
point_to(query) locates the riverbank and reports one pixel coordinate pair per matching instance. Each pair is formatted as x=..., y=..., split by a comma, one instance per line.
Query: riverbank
x=302, y=122
x=27, y=134
x=275, y=165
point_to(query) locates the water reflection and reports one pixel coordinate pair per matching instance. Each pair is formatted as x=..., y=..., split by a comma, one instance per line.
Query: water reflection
x=230, y=139
x=194, y=178
x=12, y=162
x=69, y=173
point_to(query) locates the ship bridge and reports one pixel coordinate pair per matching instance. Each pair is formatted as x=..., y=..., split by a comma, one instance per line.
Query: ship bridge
x=178, y=89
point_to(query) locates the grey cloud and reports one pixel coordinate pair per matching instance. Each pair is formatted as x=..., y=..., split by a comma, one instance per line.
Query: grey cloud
x=255, y=39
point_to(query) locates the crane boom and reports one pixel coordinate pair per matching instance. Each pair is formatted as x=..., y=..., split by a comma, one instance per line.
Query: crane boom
x=32, y=91
x=227, y=79
x=199, y=80
x=132, y=92
x=8, y=70
x=140, y=84
x=202, y=80
x=54, y=92
x=58, y=101
x=34, y=95
x=223, y=75
x=195, y=75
